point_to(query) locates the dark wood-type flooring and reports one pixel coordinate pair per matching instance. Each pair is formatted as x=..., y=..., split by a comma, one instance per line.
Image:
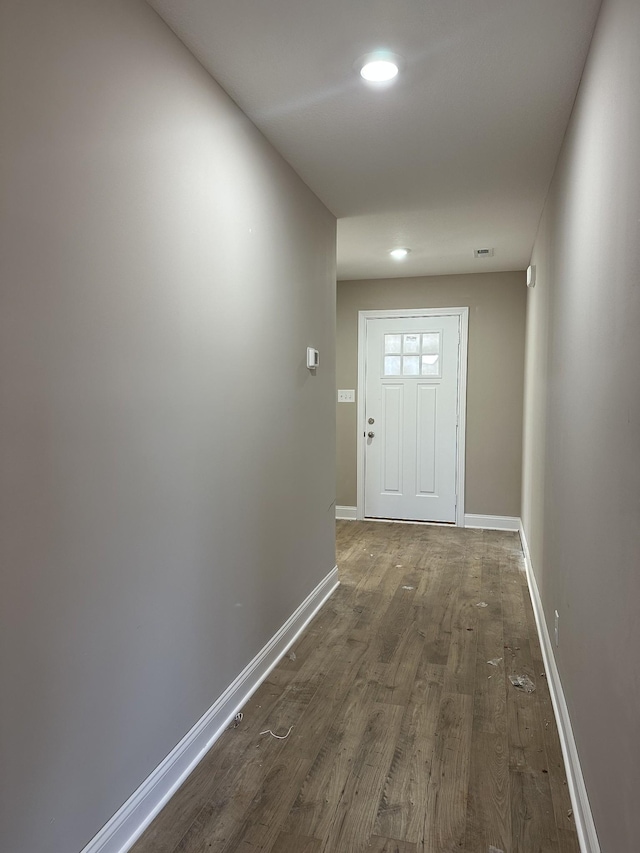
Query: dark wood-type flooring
x=404, y=739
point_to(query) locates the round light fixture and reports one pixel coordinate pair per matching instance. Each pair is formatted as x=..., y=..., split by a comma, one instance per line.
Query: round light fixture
x=399, y=254
x=379, y=70
x=379, y=67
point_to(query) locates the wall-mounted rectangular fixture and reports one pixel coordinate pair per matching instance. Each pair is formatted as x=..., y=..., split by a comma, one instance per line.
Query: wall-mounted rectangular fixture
x=313, y=358
x=483, y=253
x=531, y=276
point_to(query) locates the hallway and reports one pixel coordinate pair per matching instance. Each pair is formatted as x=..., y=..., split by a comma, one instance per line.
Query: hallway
x=402, y=736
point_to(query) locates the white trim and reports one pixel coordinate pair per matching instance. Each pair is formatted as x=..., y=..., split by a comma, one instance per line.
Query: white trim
x=463, y=314
x=585, y=825
x=130, y=821
x=461, y=462
x=492, y=522
x=360, y=397
x=346, y=513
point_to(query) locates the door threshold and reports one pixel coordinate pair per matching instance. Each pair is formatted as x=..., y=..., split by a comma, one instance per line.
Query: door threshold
x=411, y=521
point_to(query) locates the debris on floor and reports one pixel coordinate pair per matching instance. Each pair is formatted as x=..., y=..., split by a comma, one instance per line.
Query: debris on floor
x=237, y=720
x=292, y=655
x=408, y=587
x=570, y=813
x=522, y=682
x=399, y=566
x=493, y=849
x=494, y=661
x=482, y=604
x=278, y=737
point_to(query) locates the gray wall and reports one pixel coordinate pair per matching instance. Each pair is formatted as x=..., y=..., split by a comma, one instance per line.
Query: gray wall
x=167, y=459
x=581, y=477
x=496, y=303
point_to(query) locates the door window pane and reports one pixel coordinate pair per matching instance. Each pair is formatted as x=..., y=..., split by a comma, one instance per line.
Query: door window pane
x=392, y=365
x=411, y=343
x=392, y=343
x=431, y=343
x=431, y=365
x=411, y=365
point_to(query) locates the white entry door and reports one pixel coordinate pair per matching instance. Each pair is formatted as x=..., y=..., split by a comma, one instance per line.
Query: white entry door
x=411, y=417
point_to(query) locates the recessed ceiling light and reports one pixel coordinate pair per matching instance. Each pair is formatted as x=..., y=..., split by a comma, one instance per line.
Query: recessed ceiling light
x=399, y=254
x=379, y=70
x=381, y=66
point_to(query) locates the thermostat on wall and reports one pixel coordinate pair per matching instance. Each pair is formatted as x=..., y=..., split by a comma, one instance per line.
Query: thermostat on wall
x=313, y=358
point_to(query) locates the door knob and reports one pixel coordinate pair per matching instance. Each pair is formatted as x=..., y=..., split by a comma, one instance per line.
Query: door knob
x=370, y=434
x=371, y=421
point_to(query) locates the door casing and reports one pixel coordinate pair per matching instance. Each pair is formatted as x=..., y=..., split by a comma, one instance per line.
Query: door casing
x=363, y=316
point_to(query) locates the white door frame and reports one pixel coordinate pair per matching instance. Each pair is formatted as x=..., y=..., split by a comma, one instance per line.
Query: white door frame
x=403, y=313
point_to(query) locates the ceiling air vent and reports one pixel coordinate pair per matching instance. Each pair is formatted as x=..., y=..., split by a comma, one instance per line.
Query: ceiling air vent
x=483, y=253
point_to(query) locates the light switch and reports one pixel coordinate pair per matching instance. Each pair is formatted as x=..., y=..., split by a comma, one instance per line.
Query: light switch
x=346, y=396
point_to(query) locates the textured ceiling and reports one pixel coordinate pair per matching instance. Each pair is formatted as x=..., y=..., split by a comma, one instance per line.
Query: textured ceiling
x=457, y=154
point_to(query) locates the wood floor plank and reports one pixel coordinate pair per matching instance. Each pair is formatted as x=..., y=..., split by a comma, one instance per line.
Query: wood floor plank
x=394, y=680
x=296, y=844
x=460, y=672
x=311, y=730
x=393, y=626
x=427, y=685
x=436, y=613
x=261, y=824
x=489, y=800
x=317, y=802
x=568, y=839
x=389, y=845
x=461, y=662
x=562, y=805
x=356, y=813
x=445, y=820
x=525, y=725
x=514, y=615
x=532, y=820
x=369, y=608
x=404, y=800
x=490, y=706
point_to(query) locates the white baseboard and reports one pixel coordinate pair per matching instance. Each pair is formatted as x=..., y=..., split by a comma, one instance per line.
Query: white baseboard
x=585, y=825
x=130, y=821
x=346, y=513
x=492, y=522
